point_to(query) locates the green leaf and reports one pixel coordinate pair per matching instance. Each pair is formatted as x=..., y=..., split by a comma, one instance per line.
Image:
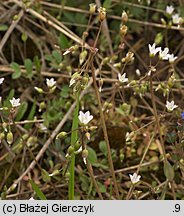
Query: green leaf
x=17, y=70
x=168, y=171
x=22, y=109
x=92, y=157
x=37, y=190
x=74, y=138
x=102, y=187
x=63, y=41
x=3, y=27
x=103, y=147
x=10, y=96
x=29, y=67
x=57, y=56
x=65, y=91
x=107, y=4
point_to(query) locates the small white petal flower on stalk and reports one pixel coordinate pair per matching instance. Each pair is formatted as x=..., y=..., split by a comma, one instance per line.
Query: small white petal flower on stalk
x=176, y=19
x=172, y=58
x=169, y=9
x=170, y=106
x=134, y=178
x=1, y=80
x=153, y=50
x=122, y=78
x=85, y=118
x=164, y=55
x=50, y=82
x=15, y=102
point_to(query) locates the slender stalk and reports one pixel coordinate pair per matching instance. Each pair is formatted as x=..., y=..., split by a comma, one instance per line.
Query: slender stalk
x=105, y=132
x=74, y=138
x=157, y=118
x=90, y=169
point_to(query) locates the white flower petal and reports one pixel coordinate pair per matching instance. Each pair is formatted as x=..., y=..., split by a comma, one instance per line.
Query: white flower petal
x=1, y=80
x=85, y=118
x=15, y=102
x=169, y=9
x=50, y=82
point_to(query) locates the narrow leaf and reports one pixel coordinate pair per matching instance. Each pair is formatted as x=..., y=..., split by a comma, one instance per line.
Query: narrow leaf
x=37, y=190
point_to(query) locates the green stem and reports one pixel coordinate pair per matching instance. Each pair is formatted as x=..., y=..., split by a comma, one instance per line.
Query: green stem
x=74, y=137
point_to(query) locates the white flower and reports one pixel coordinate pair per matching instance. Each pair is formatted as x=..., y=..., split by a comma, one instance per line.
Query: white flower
x=122, y=78
x=85, y=118
x=134, y=178
x=172, y=58
x=169, y=9
x=1, y=80
x=15, y=102
x=170, y=106
x=153, y=50
x=50, y=82
x=176, y=19
x=164, y=55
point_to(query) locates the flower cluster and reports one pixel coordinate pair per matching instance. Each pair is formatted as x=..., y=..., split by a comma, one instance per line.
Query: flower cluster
x=176, y=19
x=163, y=54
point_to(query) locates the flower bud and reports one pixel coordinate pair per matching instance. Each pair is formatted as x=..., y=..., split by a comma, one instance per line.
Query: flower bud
x=129, y=58
x=124, y=17
x=92, y=8
x=70, y=150
x=123, y=30
x=9, y=137
x=77, y=145
x=32, y=141
x=92, y=128
x=62, y=134
x=69, y=69
x=39, y=90
x=42, y=106
x=4, y=125
x=85, y=80
x=82, y=56
x=87, y=134
x=102, y=14
x=100, y=84
x=171, y=81
x=85, y=153
x=117, y=65
x=105, y=60
x=67, y=175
